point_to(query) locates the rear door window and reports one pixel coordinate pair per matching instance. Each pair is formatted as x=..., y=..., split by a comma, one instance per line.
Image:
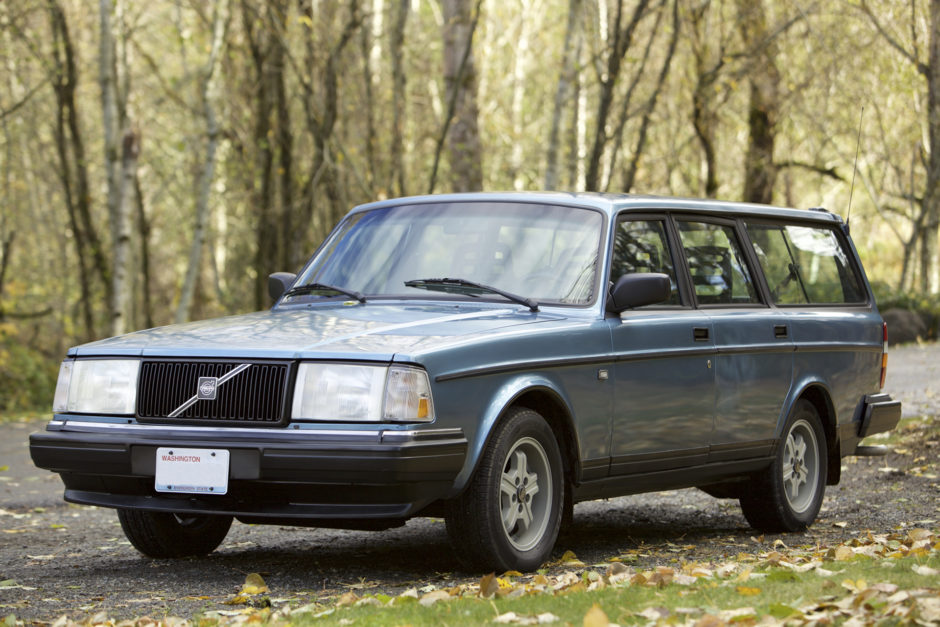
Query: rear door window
x=720, y=275
x=805, y=265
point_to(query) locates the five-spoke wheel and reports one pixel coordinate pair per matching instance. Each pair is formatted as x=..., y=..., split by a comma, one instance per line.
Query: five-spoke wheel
x=509, y=515
x=788, y=494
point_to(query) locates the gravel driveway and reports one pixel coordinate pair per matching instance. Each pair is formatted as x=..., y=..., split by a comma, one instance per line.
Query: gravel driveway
x=57, y=558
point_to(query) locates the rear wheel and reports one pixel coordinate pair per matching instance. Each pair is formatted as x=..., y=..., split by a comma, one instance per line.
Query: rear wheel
x=159, y=534
x=509, y=515
x=787, y=496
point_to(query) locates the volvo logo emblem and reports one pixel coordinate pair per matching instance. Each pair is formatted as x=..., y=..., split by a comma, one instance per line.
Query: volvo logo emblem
x=207, y=388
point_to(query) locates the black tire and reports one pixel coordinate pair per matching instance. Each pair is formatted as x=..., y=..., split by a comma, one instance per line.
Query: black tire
x=500, y=522
x=162, y=535
x=788, y=494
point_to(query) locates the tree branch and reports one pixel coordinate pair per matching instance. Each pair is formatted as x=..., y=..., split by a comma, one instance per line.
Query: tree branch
x=818, y=169
x=894, y=43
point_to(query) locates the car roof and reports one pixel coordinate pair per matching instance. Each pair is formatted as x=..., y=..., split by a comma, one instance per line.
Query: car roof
x=615, y=203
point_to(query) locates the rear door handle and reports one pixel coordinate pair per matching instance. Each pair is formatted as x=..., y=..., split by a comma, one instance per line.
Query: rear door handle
x=700, y=334
x=780, y=331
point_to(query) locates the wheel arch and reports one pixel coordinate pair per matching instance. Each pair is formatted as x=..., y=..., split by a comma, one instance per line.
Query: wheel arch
x=818, y=395
x=542, y=396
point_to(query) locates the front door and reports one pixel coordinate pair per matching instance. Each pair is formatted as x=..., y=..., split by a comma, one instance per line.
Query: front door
x=663, y=369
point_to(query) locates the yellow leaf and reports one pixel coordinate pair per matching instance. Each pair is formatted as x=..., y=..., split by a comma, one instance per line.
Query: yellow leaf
x=743, y=576
x=748, y=591
x=596, y=617
x=843, y=554
x=254, y=584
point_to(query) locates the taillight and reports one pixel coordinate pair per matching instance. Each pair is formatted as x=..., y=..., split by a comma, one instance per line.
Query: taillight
x=884, y=353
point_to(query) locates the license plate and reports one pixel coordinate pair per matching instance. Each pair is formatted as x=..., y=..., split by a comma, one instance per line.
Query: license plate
x=192, y=470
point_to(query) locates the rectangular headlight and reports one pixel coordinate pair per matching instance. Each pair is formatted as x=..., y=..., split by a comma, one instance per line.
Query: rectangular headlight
x=338, y=392
x=98, y=386
x=361, y=393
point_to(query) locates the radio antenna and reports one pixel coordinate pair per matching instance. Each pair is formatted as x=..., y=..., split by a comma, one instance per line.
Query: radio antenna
x=858, y=141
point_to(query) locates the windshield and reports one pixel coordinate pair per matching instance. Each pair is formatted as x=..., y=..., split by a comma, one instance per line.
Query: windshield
x=545, y=252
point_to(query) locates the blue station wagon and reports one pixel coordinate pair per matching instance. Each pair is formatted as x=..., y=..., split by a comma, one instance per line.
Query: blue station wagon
x=492, y=359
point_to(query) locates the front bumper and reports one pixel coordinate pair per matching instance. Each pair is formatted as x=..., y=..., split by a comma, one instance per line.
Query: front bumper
x=278, y=474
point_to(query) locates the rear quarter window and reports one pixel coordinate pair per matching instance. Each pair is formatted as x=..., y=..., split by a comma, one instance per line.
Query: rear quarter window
x=805, y=265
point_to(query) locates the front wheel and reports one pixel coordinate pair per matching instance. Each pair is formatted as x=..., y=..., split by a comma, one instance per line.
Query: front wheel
x=787, y=496
x=509, y=515
x=161, y=535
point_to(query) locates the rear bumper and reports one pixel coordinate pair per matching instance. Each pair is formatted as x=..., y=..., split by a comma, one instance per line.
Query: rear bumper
x=876, y=413
x=880, y=413
x=283, y=473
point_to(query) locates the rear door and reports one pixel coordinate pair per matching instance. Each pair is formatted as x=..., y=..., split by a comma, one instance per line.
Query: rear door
x=754, y=361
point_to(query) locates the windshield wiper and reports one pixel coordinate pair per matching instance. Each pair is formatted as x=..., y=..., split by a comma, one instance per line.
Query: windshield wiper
x=470, y=288
x=323, y=287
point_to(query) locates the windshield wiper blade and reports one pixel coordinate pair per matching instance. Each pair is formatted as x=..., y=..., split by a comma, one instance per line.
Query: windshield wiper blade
x=463, y=286
x=323, y=287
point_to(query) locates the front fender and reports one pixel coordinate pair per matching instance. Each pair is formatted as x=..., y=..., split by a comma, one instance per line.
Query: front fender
x=502, y=399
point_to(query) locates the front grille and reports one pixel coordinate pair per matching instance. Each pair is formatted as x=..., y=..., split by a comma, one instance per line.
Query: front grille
x=256, y=396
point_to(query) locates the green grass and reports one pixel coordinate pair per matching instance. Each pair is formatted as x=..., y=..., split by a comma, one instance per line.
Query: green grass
x=775, y=591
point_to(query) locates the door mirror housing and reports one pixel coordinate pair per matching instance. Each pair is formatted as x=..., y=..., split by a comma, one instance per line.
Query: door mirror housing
x=638, y=289
x=278, y=283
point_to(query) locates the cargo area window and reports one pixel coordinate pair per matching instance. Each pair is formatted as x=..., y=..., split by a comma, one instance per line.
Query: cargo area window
x=804, y=265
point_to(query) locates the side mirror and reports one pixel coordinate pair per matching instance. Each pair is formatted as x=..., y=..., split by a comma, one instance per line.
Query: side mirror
x=637, y=290
x=279, y=282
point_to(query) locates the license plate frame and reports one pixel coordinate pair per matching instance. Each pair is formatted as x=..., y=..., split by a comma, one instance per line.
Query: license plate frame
x=192, y=470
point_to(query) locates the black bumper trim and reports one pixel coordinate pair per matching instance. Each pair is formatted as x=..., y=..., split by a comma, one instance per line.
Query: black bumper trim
x=881, y=414
x=294, y=473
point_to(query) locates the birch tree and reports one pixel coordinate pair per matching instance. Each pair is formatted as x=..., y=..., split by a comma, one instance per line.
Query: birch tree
x=122, y=146
x=564, y=90
x=461, y=124
x=210, y=96
x=928, y=67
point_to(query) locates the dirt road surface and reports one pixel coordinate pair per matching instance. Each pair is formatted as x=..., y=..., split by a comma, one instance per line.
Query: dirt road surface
x=59, y=559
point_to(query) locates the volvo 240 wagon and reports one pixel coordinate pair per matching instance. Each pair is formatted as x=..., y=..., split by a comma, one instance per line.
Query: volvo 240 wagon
x=492, y=359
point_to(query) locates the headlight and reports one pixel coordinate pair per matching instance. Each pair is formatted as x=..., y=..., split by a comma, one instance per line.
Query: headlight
x=347, y=392
x=97, y=386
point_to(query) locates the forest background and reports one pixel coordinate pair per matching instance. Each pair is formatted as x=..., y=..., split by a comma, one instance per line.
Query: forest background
x=159, y=158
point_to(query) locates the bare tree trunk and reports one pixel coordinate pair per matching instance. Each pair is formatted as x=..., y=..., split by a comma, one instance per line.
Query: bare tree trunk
x=74, y=168
x=289, y=245
x=630, y=174
x=929, y=253
x=708, y=66
x=519, y=72
x=321, y=122
x=621, y=42
x=371, y=21
x=760, y=171
x=567, y=76
x=460, y=79
x=206, y=176
x=397, y=45
x=576, y=137
x=143, y=231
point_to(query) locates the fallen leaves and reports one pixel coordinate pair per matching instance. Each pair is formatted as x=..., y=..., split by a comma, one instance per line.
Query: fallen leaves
x=848, y=599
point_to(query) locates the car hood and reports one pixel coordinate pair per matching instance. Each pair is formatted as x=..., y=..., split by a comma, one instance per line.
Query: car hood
x=367, y=331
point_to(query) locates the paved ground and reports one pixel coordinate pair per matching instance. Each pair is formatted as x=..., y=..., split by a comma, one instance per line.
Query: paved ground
x=60, y=559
